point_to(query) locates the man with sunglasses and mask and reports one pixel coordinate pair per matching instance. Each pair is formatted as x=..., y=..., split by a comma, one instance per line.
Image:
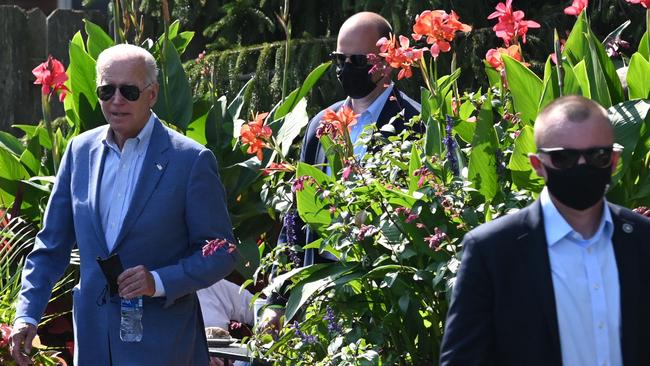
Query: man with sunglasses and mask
x=140, y=191
x=565, y=280
x=372, y=96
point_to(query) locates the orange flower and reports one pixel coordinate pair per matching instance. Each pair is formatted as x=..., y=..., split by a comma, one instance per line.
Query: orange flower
x=439, y=28
x=275, y=168
x=511, y=23
x=51, y=76
x=576, y=7
x=645, y=3
x=493, y=56
x=256, y=135
x=335, y=123
x=402, y=57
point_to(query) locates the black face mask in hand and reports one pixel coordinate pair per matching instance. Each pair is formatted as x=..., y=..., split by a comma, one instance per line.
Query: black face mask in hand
x=580, y=186
x=356, y=81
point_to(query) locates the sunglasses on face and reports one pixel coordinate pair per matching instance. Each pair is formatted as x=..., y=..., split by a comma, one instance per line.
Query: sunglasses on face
x=339, y=59
x=562, y=158
x=129, y=92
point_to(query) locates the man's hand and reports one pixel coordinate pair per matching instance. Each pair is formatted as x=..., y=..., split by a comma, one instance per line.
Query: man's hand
x=270, y=321
x=21, y=343
x=136, y=281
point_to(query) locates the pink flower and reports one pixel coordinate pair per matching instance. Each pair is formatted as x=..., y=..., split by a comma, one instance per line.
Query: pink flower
x=436, y=239
x=493, y=56
x=645, y=3
x=213, y=245
x=51, y=76
x=576, y=7
x=5, y=332
x=299, y=183
x=511, y=23
x=402, y=57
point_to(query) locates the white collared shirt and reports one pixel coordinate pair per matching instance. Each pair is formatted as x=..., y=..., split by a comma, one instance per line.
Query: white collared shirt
x=586, y=287
x=369, y=116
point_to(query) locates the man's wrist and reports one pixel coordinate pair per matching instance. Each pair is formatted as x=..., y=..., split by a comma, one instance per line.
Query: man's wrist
x=25, y=320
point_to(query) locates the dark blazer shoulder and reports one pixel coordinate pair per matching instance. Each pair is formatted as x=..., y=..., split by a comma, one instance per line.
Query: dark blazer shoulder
x=509, y=227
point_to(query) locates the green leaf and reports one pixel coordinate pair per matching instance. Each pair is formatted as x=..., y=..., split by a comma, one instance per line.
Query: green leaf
x=315, y=283
x=482, y=160
x=638, y=77
x=525, y=87
x=83, y=100
x=236, y=105
x=571, y=84
x=550, y=88
x=494, y=77
x=10, y=167
x=97, y=40
x=580, y=72
x=643, y=46
x=174, y=103
x=433, y=136
x=602, y=62
x=249, y=258
x=576, y=47
x=414, y=164
x=627, y=119
x=11, y=143
x=523, y=175
x=293, y=124
x=312, y=208
x=295, y=96
x=332, y=153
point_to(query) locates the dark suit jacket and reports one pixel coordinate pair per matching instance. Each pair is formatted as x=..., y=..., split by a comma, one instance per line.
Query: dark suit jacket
x=503, y=310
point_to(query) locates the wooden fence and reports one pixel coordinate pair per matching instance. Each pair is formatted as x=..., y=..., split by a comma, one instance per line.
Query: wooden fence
x=27, y=37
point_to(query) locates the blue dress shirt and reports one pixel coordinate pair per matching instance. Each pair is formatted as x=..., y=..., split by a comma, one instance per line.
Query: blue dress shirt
x=118, y=181
x=371, y=115
x=586, y=287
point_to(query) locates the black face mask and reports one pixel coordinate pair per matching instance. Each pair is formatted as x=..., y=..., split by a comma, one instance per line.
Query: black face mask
x=356, y=81
x=580, y=186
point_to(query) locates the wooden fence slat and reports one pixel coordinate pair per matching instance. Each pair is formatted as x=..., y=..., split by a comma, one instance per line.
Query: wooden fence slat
x=13, y=23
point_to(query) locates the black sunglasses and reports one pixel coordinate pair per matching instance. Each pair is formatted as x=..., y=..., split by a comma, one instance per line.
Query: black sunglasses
x=129, y=92
x=562, y=158
x=340, y=59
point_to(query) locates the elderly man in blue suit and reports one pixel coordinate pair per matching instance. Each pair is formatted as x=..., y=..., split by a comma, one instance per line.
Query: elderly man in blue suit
x=140, y=190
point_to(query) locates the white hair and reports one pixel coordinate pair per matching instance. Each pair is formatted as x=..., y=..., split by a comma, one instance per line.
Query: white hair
x=127, y=51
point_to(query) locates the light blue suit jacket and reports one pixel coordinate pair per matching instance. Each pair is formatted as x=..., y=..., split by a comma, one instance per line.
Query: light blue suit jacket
x=177, y=205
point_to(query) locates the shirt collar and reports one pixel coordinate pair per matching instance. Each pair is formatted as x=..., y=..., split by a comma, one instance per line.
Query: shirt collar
x=142, y=139
x=557, y=228
x=377, y=105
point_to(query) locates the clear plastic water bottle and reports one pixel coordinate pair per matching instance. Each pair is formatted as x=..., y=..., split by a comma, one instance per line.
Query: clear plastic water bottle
x=131, y=320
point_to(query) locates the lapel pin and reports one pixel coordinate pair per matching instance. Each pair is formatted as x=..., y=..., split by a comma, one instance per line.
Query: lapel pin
x=158, y=166
x=628, y=228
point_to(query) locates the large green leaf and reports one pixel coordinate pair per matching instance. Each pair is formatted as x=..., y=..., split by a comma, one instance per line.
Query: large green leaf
x=11, y=143
x=551, y=87
x=571, y=85
x=10, y=167
x=313, y=209
x=576, y=47
x=317, y=282
x=523, y=175
x=174, y=103
x=83, y=100
x=97, y=40
x=638, y=77
x=525, y=87
x=179, y=40
x=603, y=64
x=482, y=159
x=627, y=118
x=643, y=46
x=295, y=96
x=414, y=164
x=582, y=79
x=293, y=124
x=433, y=137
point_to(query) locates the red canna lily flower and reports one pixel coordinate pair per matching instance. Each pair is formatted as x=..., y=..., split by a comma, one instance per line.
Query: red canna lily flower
x=493, y=56
x=402, y=57
x=576, y=7
x=645, y=3
x=511, y=23
x=5, y=331
x=51, y=76
x=335, y=123
x=439, y=28
x=256, y=135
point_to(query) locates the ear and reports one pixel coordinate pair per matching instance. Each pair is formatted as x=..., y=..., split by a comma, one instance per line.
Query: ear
x=153, y=96
x=536, y=163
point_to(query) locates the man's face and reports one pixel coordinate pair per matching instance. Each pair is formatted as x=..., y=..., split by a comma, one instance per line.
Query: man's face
x=591, y=133
x=359, y=40
x=126, y=118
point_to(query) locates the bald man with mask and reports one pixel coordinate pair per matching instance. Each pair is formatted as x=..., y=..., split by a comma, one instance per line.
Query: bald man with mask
x=563, y=281
x=372, y=96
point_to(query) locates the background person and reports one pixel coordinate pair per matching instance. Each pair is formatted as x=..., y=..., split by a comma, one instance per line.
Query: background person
x=563, y=281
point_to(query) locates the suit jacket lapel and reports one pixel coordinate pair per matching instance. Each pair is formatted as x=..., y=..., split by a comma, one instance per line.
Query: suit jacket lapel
x=535, y=253
x=153, y=167
x=626, y=253
x=96, y=166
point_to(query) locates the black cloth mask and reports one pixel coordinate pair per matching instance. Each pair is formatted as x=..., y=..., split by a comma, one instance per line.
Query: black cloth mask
x=578, y=187
x=356, y=81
